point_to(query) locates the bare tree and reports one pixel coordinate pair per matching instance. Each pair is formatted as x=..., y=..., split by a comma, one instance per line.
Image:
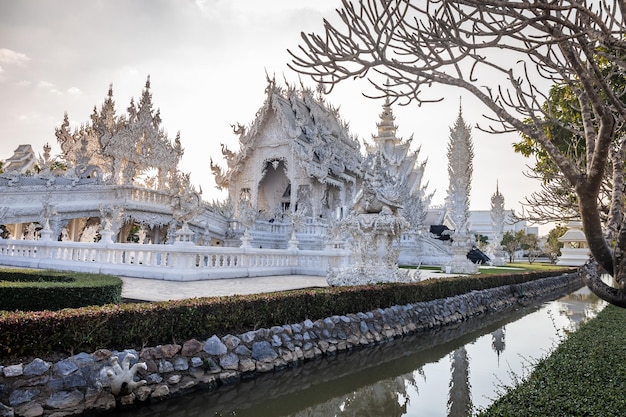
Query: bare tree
x=507, y=54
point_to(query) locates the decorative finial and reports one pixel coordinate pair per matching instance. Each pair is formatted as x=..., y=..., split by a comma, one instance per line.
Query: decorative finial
x=460, y=104
x=110, y=93
x=320, y=90
x=148, y=82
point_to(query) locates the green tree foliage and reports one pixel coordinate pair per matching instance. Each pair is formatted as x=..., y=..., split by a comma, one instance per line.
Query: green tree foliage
x=553, y=246
x=530, y=243
x=563, y=126
x=481, y=241
x=510, y=244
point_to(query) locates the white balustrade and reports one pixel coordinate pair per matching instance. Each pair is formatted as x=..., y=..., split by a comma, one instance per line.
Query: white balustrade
x=169, y=262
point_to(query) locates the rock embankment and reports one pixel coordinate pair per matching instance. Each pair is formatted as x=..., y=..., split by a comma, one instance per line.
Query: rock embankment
x=101, y=381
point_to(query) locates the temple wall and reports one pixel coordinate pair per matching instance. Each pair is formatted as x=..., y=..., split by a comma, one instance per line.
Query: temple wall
x=80, y=383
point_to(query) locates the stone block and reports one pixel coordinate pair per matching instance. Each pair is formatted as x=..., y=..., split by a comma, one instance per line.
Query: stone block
x=165, y=366
x=143, y=393
x=174, y=379
x=127, y=400
x=229, y=361
x=187, y=383
x=65, y=367
x=63, y=400
x=276, y=341
x=214, y=346
x=196, y=362
x=13, y=370
x=20, y=396
x=36, y=367
x=247, y=365
x=181, y=364
x=168, y=351
x=248, y=337
x=74, y=380
x=160, y=392
x=29, y=410
x=153, y=378
x=99, y=401
x=243, y=350
x=191, y=347
x=263, y=351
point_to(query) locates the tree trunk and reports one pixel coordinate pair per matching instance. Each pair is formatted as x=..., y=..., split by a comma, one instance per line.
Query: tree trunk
x=590, y=273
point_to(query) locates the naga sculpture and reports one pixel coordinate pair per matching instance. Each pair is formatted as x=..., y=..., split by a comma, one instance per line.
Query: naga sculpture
x=122, y=378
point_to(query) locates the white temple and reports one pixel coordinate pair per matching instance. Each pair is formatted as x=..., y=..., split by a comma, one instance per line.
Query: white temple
x=297, y=174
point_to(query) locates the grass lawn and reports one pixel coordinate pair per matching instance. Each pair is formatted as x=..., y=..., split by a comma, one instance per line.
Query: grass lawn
x=515, y=266
x=584, y=376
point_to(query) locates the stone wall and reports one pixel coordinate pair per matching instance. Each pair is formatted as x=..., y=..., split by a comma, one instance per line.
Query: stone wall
x=103, y=380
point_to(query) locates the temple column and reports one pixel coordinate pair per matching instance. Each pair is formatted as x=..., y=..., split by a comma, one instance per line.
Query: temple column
x=254, y=195
x=293, y=198
x=57, y=225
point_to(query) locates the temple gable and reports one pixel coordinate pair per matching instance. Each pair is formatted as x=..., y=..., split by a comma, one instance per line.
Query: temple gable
x=296, y=154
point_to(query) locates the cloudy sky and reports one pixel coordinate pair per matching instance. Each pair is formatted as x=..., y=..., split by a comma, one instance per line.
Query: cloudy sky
x=207, y=61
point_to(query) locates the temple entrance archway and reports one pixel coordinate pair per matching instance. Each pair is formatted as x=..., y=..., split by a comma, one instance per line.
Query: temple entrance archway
x=274, y=195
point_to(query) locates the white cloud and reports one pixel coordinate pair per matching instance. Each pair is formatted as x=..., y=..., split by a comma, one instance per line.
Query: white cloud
x=8, y=56
x=74, y=91
x=45, y=84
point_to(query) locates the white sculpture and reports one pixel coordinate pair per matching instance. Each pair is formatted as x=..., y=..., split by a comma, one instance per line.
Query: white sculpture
x=122, y=378
x=375, y=226
x=497, y=222
x=460, y=156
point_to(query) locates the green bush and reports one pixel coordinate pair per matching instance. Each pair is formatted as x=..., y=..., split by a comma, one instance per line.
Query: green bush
x=32, y=290
x=141, y=324
x=584, y=376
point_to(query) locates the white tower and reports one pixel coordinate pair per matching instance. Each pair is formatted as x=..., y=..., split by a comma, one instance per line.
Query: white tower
x=497, y=222
x=460, y=156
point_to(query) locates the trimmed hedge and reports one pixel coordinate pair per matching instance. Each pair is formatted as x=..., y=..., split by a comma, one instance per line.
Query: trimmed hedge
x=142, y=324
x=33, y=290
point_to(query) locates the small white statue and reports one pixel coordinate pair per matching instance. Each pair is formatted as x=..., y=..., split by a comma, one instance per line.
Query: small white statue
x=122, y=377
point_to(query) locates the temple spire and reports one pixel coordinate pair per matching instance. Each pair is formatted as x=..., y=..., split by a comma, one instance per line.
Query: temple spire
x=460, y=157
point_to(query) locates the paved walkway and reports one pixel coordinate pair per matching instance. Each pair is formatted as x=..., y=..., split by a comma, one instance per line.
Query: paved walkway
x=160, y=290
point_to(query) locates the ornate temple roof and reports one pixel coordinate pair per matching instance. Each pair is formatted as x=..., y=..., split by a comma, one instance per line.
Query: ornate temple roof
x=122, y=147
x=401, y=166
x=313, y=128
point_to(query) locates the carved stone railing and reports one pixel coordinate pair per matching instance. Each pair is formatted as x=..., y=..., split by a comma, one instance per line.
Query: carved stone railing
x=169, y=262
x=311, y=234
x=23, y=204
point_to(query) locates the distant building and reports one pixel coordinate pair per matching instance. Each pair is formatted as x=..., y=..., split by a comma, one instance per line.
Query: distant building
x=480, y=223
x=22, y=161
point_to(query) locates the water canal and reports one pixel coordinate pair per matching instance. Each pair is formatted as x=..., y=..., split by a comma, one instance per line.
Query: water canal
x=451, y=372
